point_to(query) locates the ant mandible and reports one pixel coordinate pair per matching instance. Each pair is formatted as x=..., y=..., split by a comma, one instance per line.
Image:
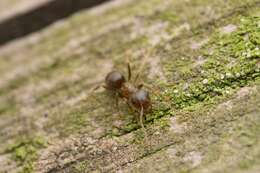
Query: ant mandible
x=137, y=98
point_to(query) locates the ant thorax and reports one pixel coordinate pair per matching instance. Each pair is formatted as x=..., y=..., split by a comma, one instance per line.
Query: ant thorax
x=127, y=90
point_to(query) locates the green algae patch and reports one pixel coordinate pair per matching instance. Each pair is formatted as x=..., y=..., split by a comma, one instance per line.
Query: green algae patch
x=80, y=167
x=168, y=15
x=24, y=152
x=232, y=61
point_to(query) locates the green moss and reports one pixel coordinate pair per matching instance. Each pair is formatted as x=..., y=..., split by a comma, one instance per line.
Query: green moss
x=167, y=15
x=139, y=136
x=69, y=122
x=7, y=106
x=13, y=85
x=76, y=121
x=233, y=63
x=180, y=69
x=24, y=151
x=162, y=123
x=80, y=167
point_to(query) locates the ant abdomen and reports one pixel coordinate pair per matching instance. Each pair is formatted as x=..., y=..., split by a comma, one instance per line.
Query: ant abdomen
x=141, y=100
x=114, y=80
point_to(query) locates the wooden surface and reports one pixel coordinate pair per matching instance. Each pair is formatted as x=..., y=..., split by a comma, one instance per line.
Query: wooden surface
x=201, y=59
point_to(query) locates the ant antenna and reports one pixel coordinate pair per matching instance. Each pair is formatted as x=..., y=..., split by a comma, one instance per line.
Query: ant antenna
x=129, y=71
x=128, y=65
x=142, y=66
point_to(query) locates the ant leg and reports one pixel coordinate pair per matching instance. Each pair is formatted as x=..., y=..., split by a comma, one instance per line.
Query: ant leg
x=129, y=71
x=141, y=121
x=136, y=77
x=117, y=101
x=140, y=86
x=95, y=89
x=128, y=66
x=155, y=91
x=132, y=109
x=130, y=105
x=144, y=117
x=141, y=117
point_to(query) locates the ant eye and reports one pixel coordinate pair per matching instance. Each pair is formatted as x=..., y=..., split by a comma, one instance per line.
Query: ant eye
x=114, y=80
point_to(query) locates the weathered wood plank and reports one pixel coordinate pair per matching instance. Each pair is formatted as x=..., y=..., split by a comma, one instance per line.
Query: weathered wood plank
x=202, y=57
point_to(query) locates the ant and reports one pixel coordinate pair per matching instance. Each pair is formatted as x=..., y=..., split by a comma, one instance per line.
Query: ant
x=136, y=98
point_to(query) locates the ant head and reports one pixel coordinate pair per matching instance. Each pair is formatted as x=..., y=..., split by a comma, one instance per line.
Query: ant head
x=114, y=80
x=140, y=99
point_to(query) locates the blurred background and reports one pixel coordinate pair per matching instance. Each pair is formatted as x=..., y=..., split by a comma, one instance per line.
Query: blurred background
x=19, y=18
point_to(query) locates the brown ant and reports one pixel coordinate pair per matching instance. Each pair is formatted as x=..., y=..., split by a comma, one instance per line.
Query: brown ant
x=137, y=98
